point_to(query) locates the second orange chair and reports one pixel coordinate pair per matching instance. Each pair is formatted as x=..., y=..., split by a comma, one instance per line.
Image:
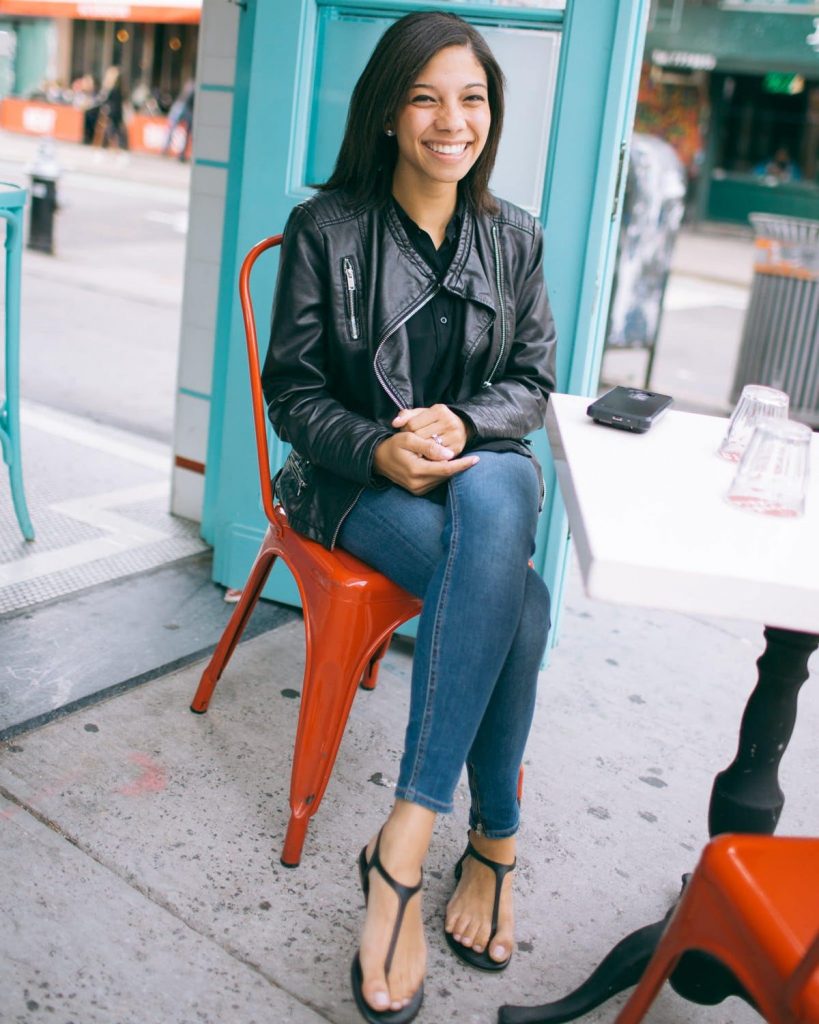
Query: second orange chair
x=752, y=902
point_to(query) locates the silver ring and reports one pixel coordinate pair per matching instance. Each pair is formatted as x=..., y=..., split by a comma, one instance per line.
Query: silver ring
x=438, y=439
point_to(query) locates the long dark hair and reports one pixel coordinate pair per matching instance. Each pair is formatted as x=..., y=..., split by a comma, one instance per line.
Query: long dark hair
x=367, y=156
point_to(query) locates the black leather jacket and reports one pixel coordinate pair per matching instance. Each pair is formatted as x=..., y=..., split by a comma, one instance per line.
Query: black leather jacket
x=338, y=367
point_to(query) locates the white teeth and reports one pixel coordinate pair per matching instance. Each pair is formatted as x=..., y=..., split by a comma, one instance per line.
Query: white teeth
x=446, y=150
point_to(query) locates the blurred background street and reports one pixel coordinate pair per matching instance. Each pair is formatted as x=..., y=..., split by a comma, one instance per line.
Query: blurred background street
x=101, y=316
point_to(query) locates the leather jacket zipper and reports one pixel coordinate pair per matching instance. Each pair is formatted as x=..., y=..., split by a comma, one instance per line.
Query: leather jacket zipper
x=344, y=515
x=295, y=462
x=499, y=284
x=350, y=292
x=382, y=380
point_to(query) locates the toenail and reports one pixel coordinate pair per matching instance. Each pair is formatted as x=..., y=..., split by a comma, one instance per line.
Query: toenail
x=381, y=1000
x=499, y=953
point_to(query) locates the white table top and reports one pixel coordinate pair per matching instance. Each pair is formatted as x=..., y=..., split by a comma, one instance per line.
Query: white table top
x=651, y=526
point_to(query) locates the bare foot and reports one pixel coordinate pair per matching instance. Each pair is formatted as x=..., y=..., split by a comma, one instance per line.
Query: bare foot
x=400, y=858
x=469, y=912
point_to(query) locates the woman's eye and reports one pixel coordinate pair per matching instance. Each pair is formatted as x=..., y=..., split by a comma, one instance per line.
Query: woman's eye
x=477, y=98
x=421, y=98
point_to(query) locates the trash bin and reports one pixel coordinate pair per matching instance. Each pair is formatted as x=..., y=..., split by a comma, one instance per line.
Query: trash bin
x=653, y=205
x=780, y=337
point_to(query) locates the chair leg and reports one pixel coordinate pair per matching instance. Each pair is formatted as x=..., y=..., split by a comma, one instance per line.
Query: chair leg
x=702, y=921
x=348, y=640
x=234, y=629
x=294, y=838
x=18, y=496
x=673, y=943
x=370, y=677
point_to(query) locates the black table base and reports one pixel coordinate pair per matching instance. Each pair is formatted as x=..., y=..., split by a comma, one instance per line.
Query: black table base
x=746, y=797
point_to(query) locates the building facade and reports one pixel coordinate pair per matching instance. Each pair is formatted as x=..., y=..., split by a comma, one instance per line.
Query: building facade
x=734, y=86
x=54, y=56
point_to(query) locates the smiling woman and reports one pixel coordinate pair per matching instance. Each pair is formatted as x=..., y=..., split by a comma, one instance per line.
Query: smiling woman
x=441, y=131
x=411, y=351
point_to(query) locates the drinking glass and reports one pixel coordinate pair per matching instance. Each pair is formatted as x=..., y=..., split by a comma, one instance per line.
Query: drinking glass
x=756, y=403
x=772, y=476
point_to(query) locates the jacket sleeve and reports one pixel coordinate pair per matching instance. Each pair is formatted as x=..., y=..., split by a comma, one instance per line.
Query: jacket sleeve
x=295, y=378
x=514, y=404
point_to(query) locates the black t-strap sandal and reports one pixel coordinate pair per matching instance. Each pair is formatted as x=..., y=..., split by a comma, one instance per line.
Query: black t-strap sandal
x=404, y=894
x=483, y=961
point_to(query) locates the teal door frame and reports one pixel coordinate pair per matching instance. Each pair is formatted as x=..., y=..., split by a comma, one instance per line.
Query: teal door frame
x=600, y=54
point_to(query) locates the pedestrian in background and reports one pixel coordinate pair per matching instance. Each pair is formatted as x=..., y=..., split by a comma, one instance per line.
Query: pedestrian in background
x=110, y=126
x=180, y=122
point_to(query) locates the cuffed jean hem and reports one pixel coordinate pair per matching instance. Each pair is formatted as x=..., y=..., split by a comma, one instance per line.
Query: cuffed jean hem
x=412, y=796
x=483, y=829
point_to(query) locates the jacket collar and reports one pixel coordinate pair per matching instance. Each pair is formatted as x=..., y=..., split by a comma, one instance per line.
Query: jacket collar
x=405, y=283
x=471, y=271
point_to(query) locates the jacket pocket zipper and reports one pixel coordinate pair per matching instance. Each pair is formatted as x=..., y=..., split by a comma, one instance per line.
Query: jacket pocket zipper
x=350, y=291
x=499, y=284
x=295, y=462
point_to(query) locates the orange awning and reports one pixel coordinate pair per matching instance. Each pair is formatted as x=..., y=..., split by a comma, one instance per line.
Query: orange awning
x=178, y=12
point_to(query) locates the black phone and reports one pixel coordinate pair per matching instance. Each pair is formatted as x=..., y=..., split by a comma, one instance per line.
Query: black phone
x=629, y=408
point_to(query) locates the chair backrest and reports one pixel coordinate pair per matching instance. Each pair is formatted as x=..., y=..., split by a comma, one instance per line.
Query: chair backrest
x=257, y=398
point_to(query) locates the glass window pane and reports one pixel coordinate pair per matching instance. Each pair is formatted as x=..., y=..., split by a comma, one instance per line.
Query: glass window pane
x=528, y=56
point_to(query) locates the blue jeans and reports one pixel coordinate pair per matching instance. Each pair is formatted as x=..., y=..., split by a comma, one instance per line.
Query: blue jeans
x=464, y=549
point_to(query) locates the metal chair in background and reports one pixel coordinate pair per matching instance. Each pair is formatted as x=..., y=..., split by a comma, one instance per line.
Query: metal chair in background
x=12, y=205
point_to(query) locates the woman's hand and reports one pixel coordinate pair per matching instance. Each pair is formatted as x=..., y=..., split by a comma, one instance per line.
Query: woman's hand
x=438, y=422
x=416, y=463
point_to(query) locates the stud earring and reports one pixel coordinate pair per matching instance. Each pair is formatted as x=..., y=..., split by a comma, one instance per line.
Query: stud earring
x=389, y=131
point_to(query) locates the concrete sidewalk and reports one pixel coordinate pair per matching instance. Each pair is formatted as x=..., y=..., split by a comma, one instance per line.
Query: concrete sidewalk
x=140, y=877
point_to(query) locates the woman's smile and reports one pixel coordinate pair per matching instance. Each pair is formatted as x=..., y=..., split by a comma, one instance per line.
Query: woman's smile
x=455, y=149
x=442, y=127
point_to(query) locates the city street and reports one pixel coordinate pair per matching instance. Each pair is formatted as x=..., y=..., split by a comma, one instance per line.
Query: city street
x=100, y=317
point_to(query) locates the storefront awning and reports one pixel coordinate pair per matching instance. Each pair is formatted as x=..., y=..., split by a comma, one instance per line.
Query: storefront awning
x=178, y=12
x=740, y=39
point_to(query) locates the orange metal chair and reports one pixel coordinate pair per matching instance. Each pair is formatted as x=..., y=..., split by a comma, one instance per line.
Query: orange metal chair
x=752, y=902
x=350, y=613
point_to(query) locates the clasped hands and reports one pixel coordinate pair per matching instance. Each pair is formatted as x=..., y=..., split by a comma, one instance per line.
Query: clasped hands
x=424, y=451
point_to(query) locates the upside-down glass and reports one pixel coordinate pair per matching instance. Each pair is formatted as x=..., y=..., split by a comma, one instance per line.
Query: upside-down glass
x=772, y=476
x=756, y=403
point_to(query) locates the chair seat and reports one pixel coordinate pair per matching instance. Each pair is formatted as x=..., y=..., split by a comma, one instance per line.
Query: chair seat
x=337, y=569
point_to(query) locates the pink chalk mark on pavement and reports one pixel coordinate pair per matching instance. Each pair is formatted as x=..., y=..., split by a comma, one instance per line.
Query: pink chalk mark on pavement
x=152, y=778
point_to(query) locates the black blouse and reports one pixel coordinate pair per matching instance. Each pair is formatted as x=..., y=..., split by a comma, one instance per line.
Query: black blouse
x=436, y=330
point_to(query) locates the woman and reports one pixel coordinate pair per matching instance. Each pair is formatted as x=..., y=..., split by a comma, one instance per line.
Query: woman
x=411, y=350
x=111, y=118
